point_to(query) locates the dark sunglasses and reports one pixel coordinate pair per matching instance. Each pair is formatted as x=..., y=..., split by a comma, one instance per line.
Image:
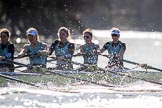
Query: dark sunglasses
x=3, y=36
x=115, y=35
x=86, y=37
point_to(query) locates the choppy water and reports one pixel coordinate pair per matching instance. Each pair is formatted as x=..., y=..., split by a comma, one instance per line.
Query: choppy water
x=142, y=47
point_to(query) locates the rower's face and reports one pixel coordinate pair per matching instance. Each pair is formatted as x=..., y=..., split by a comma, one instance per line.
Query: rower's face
x=115, y=37
x=63, y=35
x=32, y=39
x=4, y=38
x=87, y=37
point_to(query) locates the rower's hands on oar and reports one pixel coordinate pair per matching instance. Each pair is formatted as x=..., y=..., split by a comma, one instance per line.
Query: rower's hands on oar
x=42, y=52
x=108, y=56
x=111, y=55
x=60, y=58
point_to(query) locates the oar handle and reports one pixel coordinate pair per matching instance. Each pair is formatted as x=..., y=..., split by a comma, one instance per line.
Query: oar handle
x=97, y=53
x=28, y=55
x=104, y=55
x=70, y=61
x=143, y=65
x=17, y=57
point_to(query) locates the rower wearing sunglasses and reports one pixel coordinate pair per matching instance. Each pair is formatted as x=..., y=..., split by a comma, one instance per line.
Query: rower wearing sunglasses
x=6, y=51
x=89, y=51
x=115, y=49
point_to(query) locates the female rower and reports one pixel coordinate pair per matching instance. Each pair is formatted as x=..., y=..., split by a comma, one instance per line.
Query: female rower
x=115, y=49
x=89, y=51
x=36, y=50
x=63, y=49
x=6, y=51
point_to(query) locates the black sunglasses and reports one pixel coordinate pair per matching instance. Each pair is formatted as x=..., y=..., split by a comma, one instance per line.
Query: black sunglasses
x=3, y=36
x=115, y=35
x=86, y=37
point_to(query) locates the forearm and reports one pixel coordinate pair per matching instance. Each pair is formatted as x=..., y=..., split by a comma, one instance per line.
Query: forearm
x=23, y=51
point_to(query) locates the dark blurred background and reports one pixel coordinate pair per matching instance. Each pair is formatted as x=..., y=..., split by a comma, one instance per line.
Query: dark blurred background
x=48, y=15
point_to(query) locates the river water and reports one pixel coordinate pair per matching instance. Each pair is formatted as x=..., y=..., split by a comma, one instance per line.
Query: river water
x=142, y=47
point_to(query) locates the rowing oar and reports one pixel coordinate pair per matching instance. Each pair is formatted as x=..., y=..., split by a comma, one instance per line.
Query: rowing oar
x=67, y=76
x=120, y=74
x=28, y=55
x=70, y=61
x=23, y=65
x=18, y=80
x=132, y=77
x=145, y=66
x=22, y=56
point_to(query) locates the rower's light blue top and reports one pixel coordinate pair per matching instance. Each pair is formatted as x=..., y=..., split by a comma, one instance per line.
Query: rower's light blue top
x=114, y=49
x=61, y=51
x=89, y=56
x=36, y=59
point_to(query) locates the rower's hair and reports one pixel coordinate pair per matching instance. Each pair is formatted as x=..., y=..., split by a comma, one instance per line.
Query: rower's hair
x=88, y=30
x=66, y=30
x=6, y=31
x=115, y=28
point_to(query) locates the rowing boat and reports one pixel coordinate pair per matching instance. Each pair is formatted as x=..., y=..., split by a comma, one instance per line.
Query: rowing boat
x=61, y=77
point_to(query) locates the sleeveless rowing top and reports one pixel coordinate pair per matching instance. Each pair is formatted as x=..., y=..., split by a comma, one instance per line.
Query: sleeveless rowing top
x=4, y=53
x=89, y=56
x=114, y=49
x=38, y=60
x=61, y=51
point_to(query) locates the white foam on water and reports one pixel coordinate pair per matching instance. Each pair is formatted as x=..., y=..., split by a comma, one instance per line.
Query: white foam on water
x=87, y=96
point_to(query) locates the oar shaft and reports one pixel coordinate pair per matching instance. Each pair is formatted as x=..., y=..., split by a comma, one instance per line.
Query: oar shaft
x=21, y=57
x=69, y=61
x=28, y=55
x=134, y=77
x=145, y=65
x=139, y=64
x=134, y=63
x=155, y=69
x=18, y=80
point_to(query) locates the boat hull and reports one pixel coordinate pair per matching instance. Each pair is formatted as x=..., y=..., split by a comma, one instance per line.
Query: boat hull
x=60, y=77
